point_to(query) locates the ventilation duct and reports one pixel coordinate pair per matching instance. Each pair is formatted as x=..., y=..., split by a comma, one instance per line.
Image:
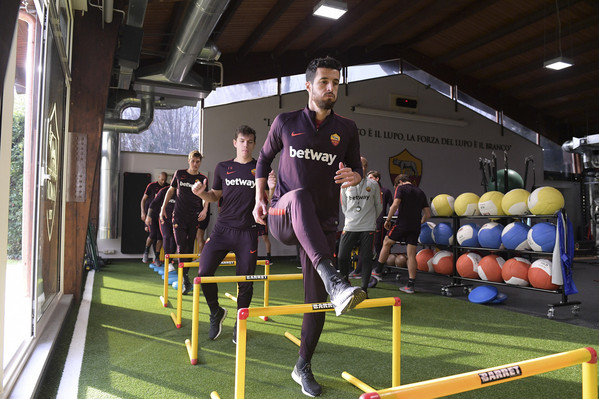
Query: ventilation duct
x=110, y=159
x=174, y=78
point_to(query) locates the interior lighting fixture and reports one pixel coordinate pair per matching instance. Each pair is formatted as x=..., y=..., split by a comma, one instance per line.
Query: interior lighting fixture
x=558, y=63
x=333, y=9
x=358, y=109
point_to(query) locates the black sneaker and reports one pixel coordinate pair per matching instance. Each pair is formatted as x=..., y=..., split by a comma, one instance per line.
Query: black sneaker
x=187, y=287
x=344, y=297
x=216, y=323
x=305, y=378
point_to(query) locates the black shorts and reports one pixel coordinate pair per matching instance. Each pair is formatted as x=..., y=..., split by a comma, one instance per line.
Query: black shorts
x=262, y=229
x=203, y=225
x=404, y=236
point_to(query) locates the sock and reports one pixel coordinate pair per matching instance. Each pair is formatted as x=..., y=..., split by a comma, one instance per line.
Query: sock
x=147, y=249
x=411, y=282
x=301, y=363
x=268, y=255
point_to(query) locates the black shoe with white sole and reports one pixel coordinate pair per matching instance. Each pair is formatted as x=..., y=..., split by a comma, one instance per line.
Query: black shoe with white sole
x=305, y=378
x=216, y=323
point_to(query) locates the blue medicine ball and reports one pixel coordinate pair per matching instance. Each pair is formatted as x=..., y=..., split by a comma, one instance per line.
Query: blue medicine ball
x=515, y=236
x=489, y=235
x=541, y=237
x=443, y=234
x=426, y=230
x=467, y=235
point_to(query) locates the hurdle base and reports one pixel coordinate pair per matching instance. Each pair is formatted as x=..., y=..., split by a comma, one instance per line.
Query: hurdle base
x=174, y=317
x=163, y=301
x=189, y=350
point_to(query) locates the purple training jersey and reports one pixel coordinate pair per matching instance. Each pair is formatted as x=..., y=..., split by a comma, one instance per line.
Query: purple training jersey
x=310, y=157
x=413, y=201
x=237, y=181
x=188, y=205
x=151, y=191
x=157, y=203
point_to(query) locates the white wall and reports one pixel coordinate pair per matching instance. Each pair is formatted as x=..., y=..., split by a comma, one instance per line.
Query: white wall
x=449, y=154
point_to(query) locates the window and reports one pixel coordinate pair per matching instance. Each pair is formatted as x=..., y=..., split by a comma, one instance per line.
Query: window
x=173, y=131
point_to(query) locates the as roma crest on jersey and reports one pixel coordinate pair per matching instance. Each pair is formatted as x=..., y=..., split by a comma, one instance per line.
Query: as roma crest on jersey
x=254, y=172
x=335, y=139
x=405, y=163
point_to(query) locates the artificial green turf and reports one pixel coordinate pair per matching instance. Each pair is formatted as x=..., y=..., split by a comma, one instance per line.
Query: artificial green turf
x=133, y=349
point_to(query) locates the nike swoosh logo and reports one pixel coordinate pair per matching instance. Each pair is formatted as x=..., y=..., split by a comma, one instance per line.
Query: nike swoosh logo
x=253, y=252
x=230, y=172
x=293, y=134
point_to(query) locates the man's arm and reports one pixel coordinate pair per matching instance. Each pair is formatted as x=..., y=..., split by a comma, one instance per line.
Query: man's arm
x=259, y=211
x=378, y=201
x=143, y=206
x=167, y=198
x=426, y=214
x=392, y=209
x=199, y=189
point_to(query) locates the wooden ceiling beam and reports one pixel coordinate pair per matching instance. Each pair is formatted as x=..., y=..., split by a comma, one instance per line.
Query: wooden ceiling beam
x=527, y=46
x=271, y=18
x=496, y=34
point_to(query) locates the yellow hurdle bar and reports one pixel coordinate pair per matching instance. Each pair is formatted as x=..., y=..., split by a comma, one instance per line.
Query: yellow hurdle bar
x=451, y=385
x=356, y=382
x=243, y=314
x=192, y=347
x=214, y=395
x=229, y=259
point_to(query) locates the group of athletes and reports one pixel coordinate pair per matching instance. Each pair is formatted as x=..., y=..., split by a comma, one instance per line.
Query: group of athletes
x=319, y=154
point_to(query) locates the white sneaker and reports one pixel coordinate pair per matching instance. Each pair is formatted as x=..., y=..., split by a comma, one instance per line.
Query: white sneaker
x=171, y=268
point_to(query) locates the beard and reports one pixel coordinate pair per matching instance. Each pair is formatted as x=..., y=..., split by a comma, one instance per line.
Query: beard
x=325, y=103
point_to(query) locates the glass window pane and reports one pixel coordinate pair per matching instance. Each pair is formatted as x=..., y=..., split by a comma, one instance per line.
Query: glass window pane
x=554, y=158
x=173, y=131
x=241, y=92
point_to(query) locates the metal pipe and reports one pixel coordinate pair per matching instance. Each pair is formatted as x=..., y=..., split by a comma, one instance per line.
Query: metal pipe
x=199, y=22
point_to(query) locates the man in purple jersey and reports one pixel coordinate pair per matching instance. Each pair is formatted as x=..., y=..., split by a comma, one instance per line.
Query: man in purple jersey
x=189, y=213
x=413, y=210
x=149, y=194
x=235, y=231
x=320, y=151
x=166, y=225
x=379, y=234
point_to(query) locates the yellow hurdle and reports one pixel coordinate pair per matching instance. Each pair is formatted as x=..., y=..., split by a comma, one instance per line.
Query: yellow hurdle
x=229, y=260
x=454, y=384
x=243, y=314
x=292, y=338
x=192, y=345
x=178, y=316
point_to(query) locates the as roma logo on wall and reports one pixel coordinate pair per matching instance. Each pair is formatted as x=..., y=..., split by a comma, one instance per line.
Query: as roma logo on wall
x=405, y=163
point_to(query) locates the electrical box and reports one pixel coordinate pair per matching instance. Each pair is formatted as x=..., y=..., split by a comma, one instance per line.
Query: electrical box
x=398, y=102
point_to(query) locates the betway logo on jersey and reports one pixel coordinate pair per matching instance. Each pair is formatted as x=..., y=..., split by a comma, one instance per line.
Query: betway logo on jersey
x=358, y=197
x=309, y=153
x=240, y=182
x=186, y=184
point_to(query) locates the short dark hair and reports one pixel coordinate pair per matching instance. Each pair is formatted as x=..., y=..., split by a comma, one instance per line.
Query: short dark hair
x=402, y=178
x=375, y=173
x=195, y=154
x=326, y=62
x=246, y=131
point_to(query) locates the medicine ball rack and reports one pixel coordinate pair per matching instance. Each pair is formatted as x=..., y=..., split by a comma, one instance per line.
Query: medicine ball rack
x=463, y=282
